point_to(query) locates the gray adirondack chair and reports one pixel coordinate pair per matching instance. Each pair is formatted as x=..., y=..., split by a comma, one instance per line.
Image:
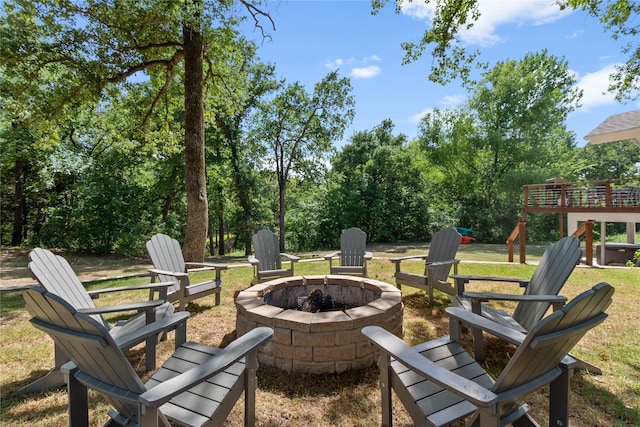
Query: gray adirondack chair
x=197, y=386
x=541, y=291
x=439, y=383
x=353, y=254
x=437, y=264
x=169, y=266
x=54, y=273
x=267, y=258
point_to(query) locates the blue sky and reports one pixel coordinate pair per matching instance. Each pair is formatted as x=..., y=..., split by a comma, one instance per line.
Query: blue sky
x=313, y=37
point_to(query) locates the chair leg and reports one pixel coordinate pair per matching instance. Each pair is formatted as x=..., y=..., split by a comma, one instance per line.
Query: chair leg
x=180, y=334
x=52, y=380
x=478, y=344
x=150, y=344
x=592, y=369
x=478, y=338
x=559, y=399
x=250, y=386
x=148, y=417
x=385, y=389
x=78, y=402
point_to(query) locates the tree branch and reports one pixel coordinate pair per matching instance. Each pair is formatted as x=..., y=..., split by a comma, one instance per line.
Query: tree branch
x=256, y=13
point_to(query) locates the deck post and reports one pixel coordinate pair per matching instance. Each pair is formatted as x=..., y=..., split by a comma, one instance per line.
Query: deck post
x=603, y=243
x=523, y=241
x=589, y=242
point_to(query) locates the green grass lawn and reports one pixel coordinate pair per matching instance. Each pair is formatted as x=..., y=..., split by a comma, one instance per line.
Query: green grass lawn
x=351, y=398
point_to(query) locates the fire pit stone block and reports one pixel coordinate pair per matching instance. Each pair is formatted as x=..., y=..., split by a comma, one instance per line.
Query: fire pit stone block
x=321, y=342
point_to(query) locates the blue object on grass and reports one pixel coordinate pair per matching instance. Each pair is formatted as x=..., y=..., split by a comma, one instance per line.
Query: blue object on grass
x=464, y=231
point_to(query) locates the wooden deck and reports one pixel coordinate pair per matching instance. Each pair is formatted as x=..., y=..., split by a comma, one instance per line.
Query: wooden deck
x=560, y=196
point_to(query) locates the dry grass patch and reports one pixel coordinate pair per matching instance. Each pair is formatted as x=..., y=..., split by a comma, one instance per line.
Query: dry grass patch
x=351, y=398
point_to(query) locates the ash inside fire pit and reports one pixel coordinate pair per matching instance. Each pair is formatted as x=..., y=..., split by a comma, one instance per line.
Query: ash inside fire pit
x=313, y=296
x=316, y=302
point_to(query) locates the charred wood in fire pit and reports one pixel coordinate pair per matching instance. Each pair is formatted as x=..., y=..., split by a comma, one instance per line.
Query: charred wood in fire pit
x=313, y=303
x=316, y=301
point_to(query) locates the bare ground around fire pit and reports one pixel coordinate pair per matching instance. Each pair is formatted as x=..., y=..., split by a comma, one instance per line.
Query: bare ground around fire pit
x=347, y=399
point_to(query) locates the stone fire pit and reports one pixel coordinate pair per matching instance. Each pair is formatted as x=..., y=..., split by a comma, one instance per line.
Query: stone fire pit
x=321, y=342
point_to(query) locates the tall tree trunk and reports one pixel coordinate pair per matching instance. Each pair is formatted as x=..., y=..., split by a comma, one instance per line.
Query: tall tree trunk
x=19, y=210
x=221, y=248
x=243, y=199
x=194, y=173
x=282, y=186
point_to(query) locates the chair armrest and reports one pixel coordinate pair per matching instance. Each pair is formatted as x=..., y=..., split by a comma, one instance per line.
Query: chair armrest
x=398, y=260
x=253, y=260
x=491, y=296
x=290, y=257
x=521, y=282
x=331, y=255
x=460, y=281
x=164, y=324
x=177, y=274
x=368, y=256
x=95, y=294
x=476, y=298
x=206, y=266
x=476, y=321
x=439, y=263
x=138, y=306
x=235, y=351
x=409, y=357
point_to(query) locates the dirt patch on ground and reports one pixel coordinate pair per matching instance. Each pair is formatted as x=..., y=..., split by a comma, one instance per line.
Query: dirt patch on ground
x=14, y=272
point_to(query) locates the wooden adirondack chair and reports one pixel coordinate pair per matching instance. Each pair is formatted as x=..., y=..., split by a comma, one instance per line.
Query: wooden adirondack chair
x=437, y=266
x=541, y=291
x=54, y=273
x=169, y=266
x=353, y=254
x=267, y=258
x=439, y=383
x=198, y=385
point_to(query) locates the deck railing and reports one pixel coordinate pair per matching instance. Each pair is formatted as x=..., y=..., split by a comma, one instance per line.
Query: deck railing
x=555, y=195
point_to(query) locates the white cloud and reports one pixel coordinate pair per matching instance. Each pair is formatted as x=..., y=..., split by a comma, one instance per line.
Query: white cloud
x=451, y=101
x=334, y=64
x=494, y=13
x=574, y=35
x=417, y=117
x=365, y=72
x=359, y=67
x=595, y=87
x=418, y=10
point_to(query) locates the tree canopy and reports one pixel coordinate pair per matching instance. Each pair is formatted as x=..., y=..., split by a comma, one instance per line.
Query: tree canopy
x=118, y=118
x=510, y=132
x=452, y=59
x=64, y=56
x=298, y=129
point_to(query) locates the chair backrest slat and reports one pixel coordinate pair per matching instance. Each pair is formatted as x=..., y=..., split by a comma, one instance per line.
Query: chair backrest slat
x=266, y=247
x=353, y=242
x=549, y=340
x=88, y=344
x=443, y=247
x=54, y=273
x=166, y=254
x=556, y=265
